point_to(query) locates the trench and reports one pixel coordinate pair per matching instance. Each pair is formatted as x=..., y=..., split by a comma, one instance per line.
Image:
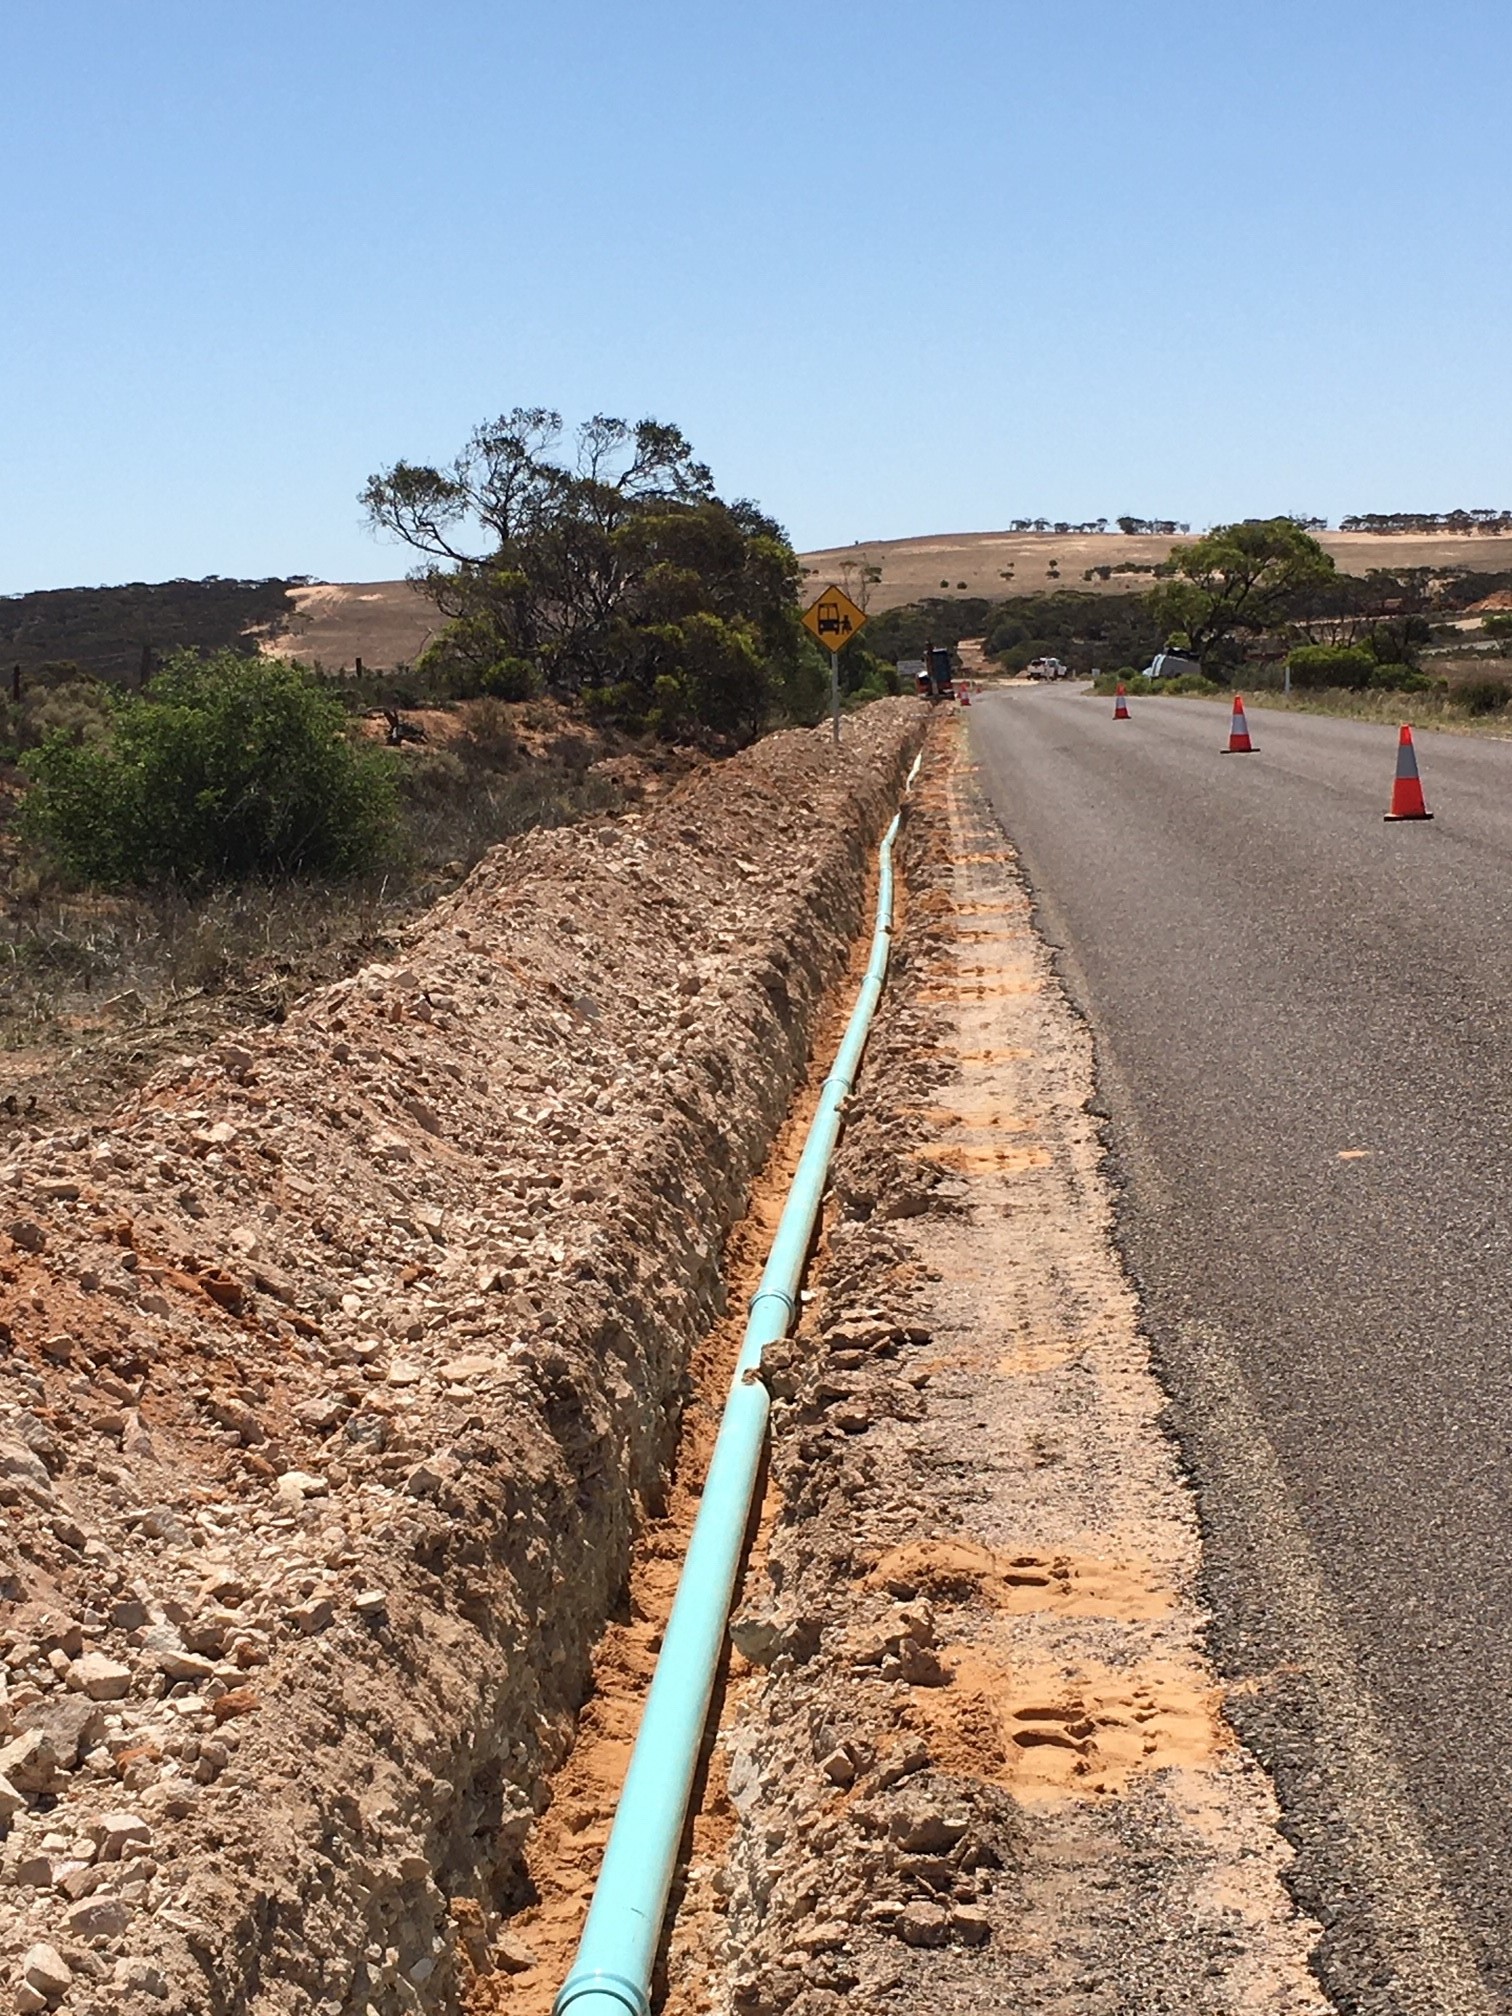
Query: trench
x=559, y=1866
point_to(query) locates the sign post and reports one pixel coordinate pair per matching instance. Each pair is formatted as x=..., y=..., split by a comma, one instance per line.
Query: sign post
x=834, y=619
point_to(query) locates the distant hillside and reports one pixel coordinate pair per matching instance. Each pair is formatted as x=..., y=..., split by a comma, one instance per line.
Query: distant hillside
x=388, y=623
x=333, y=624
x=999, y=564
x=104, y=631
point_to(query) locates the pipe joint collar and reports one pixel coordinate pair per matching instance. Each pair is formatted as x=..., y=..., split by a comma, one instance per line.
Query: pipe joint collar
x=628, y=1994
x=789, y=1302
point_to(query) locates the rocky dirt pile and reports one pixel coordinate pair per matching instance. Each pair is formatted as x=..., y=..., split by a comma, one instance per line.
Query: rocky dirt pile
x=335, y=1369
x=853, y=1837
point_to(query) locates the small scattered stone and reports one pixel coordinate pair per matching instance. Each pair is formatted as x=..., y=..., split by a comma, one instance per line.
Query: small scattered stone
x=225, y=1586
x=102, y=1678
x=235, y=1701
x=971, y=1926
x=921, y=1924
x=223, y=1288
x=112, y=1833
x=21, y=1465
x=142, y=1978
x=172, y=1657
x=313, y=1616
x=97, y=1918
x=839, y=1767
x=902, y=1764
x=370, y=1603
x=29, y=1762
x=920, y=1665
x=512, y=1954
x=826, y=1937
x=72, y=1726
x=460, y=1370
x=268, y=1281
x=926, y=1830
x=46, y=1972
x=297, y=1485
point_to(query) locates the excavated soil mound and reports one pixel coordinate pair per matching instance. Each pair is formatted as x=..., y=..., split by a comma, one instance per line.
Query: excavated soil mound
x=336, y=1369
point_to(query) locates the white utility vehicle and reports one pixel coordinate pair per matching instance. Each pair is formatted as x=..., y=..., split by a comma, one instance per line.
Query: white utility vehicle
x=1170, y=665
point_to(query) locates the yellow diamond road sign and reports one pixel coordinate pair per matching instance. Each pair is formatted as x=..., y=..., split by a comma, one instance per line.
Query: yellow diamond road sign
x=834, y=619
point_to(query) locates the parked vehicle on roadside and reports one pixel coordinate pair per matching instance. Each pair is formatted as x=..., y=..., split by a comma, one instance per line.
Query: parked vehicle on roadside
x=1047, y=668
x=1170, y=665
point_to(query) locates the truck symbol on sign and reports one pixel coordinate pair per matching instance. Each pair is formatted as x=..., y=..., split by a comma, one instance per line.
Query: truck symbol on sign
x=833, y=620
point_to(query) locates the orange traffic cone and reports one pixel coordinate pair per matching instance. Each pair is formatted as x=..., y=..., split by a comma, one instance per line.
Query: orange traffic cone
x=965, y=696
x=1239, y=743
x=1120, y=705
x=1407, y=790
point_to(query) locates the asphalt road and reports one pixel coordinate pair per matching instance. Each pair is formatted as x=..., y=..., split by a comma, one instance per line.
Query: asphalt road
x=1304, y=1029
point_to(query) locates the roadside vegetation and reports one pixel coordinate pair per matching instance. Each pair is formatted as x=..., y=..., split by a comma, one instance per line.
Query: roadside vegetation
x=192, y=834
x=1261, y=606
x=101, y=981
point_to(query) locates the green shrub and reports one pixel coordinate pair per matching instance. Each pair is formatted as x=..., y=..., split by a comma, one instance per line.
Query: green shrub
x=1134, y=683
x=1137, y=686
x=471, y=657
x=1395, y=677
x=1319, y=665
x=509, y=679
x=1354, y=667
x=226, y=769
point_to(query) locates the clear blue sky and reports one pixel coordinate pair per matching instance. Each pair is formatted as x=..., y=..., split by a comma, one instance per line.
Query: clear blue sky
x=895, y=269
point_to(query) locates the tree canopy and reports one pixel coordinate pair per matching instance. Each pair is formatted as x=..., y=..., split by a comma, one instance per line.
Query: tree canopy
x=1238, y=585
x=609, y=572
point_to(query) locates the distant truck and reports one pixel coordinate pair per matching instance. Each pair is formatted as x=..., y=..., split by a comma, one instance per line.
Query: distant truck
x=1171, y=665
x=1047, y=668
x=935, y=678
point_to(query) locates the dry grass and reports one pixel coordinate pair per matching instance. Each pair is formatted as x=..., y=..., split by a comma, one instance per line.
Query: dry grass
x=1436, y=710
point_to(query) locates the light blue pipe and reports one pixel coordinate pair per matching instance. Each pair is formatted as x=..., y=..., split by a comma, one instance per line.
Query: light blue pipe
x=612, y=1973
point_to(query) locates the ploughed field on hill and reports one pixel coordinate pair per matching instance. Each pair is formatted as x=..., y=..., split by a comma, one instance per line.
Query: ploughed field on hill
x=1000, y=564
